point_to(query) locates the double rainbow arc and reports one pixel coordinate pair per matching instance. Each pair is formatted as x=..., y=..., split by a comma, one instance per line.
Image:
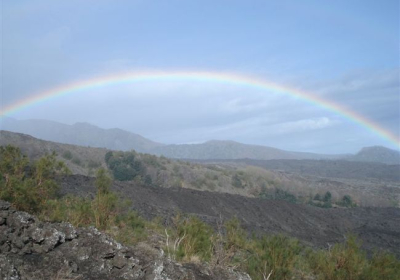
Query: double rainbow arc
x=225, y=78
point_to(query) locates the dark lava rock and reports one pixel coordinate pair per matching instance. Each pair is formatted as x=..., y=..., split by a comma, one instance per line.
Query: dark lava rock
x=377, y=228
x=32, y=250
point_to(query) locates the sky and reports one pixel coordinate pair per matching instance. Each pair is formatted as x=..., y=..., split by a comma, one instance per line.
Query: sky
x=345, y=52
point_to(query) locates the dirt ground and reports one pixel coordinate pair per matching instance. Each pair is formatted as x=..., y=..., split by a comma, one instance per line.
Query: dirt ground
x=378, y=228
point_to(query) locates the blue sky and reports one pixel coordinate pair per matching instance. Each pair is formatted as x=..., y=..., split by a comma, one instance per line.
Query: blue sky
x=345, y=51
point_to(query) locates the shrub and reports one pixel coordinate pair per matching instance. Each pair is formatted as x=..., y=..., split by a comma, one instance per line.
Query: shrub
x=346, y=201
x=341, y=262
x=75, y=210
x=278, y=194
x=77, y=161
x=124, y=166
x=131, y=228
x=28, y=187
x=382, y=266
x=67, y=155
x=327, y=197
x=105, y=203
x=237, y=182
x=275, y=255
x=189, y=237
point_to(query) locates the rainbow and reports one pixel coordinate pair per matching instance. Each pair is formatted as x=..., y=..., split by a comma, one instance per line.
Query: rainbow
x=224, y=78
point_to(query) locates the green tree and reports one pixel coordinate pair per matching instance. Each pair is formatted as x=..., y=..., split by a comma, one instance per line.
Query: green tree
x=103, y=182
x=26, y=186
x=12, y=163
x=346, y=201
x=105, y=203
x=327, y=197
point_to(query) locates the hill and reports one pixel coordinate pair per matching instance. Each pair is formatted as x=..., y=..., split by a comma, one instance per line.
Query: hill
x=82, y=134
x=85, y=134
x=377, y=154
x=325, y=168
x=377, y=227
x=231, y=150
x=302, y=180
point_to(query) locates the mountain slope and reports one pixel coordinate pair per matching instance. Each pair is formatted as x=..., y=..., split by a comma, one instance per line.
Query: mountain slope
x=370, y=184
x=82, y=134
x=376, y=227
x=377, y=154
x=232, y=150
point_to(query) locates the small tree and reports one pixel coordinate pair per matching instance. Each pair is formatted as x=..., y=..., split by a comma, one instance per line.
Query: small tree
x=347, y=201
x=328, y=197
x=105, y=204
x=103, y=182
x=26, y=186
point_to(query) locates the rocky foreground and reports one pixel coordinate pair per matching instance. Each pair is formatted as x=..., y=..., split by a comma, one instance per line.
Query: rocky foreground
x=31, y=249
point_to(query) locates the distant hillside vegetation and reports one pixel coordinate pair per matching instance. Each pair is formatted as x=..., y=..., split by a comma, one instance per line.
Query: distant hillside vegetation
x=82, y=134
x=231, y=150
x=377, y=188
x=330, y=168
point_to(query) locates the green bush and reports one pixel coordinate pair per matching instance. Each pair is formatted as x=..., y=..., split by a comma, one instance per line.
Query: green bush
x=237, y=182
x=327, y=197
x=275, y=255
x=382, y=266
x=28, y=186
x=67, y=155
x=278, y=194
x=77, y=161
x=124, y=166
x=341, y=262
x=104, y=204
x=189, y=237
x=75, y=210
x=131, y=228
x=346, y=201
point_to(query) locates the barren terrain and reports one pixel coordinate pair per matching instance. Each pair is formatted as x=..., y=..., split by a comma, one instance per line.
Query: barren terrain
x=376, y=227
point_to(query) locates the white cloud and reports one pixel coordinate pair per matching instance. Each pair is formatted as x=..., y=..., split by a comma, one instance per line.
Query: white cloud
x=302, y=125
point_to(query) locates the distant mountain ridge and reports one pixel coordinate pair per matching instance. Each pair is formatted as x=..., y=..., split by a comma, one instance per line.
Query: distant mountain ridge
x=82, y=134
x=232, y=150
x=85, y=134
x=377, y=154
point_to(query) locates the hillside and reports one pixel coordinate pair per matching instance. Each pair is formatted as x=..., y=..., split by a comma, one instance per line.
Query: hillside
x=326, y=168
x=377, y=227
x=82, y=134
x=377, y=154
x=379, y=188
x=230, y=150
x=85, y=134
x=87, y=230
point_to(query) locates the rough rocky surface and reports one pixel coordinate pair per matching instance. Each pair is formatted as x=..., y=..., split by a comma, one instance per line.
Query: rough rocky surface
x=32, y=250
x=378, y=228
